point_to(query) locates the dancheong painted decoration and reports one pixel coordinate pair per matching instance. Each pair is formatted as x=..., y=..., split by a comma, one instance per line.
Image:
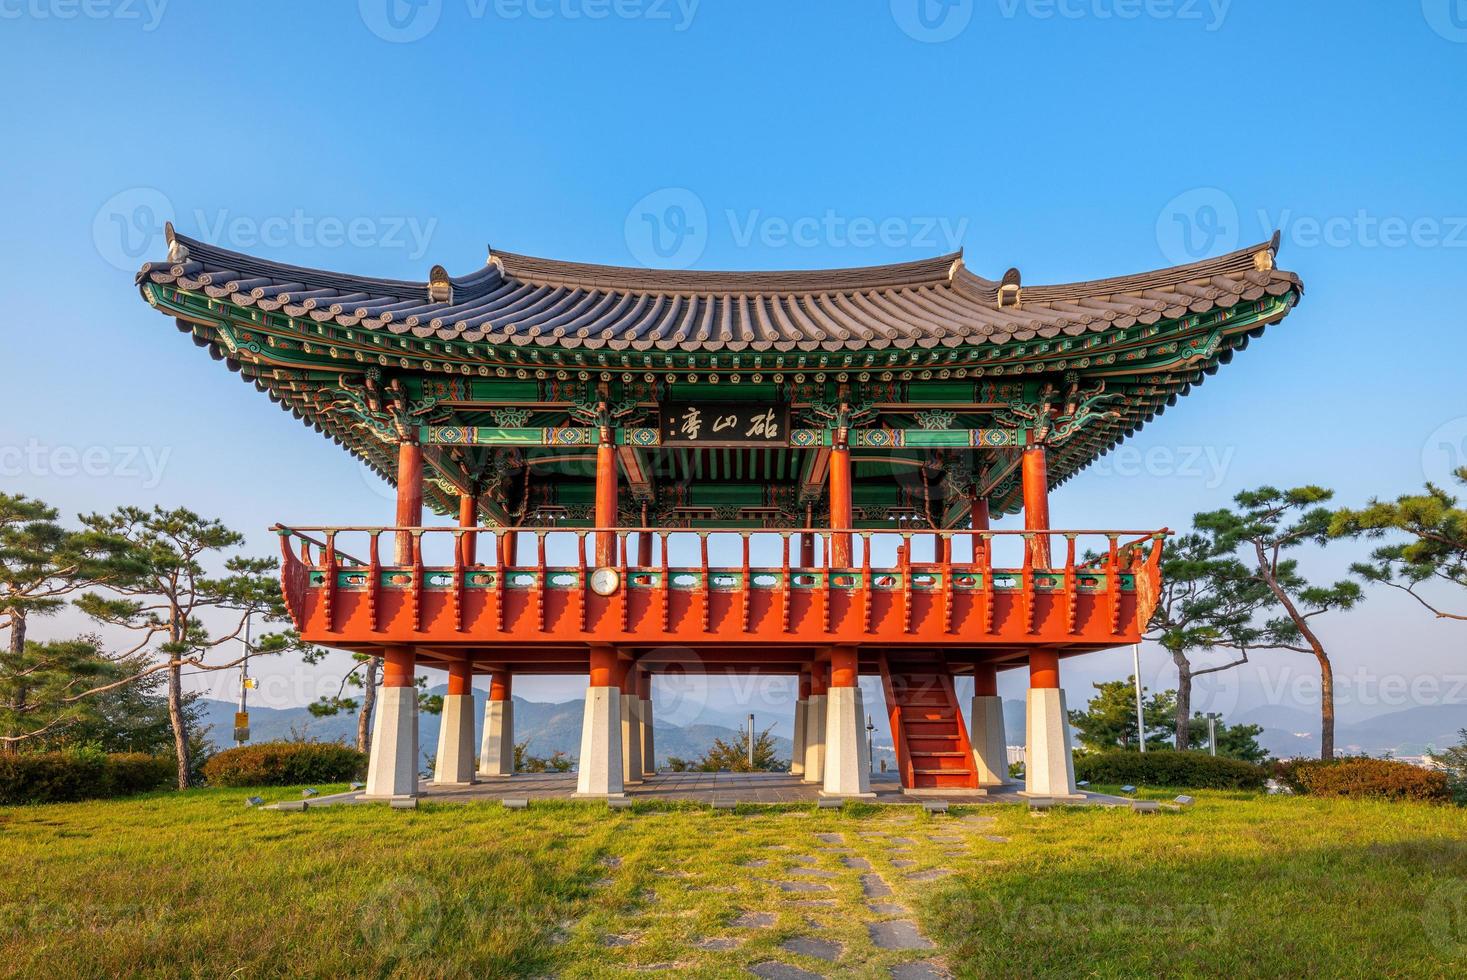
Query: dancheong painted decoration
x=723, y=472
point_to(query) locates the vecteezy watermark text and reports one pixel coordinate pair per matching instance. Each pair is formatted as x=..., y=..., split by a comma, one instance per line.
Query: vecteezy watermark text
x=1206, y=221
x=128, y=229
x=147, y=14
x=671, y=227
x=36, y=459
x=405, y=21
x=933, y=21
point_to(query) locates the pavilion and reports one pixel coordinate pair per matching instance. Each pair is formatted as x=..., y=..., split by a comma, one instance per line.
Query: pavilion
x=723, y=472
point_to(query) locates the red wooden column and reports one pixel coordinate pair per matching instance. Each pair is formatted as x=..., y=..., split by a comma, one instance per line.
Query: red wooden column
x=409, y=498
x=1035, y=474
x=468, y=516
x=977, y=520
x=802, y=708
x=815, y=724
x=807, y=550
x=605, y=498
x=397, y=667
x=840, y=501
x=1043, y=670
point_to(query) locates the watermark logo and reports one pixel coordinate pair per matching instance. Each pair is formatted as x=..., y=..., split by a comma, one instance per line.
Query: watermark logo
x=670, y=228
x=1197, y=224
x=1444, y=914
x=400, y=21
x=128, y=228
x=932, y=21
x=1445, y=452
x=1448, y=18
x=667, y=229
x=148, y=14
x=401, y=917
x=1205, y=221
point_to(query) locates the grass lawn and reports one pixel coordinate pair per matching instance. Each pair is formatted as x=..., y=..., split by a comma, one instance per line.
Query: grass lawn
x=1237, y=885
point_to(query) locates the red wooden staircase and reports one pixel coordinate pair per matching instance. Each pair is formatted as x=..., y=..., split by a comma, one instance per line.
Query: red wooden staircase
x=932, y=746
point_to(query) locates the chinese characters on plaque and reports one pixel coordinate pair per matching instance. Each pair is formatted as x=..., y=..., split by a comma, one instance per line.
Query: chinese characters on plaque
x=736, y=423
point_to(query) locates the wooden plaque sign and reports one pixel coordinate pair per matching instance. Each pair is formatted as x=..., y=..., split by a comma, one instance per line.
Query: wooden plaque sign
x=724, y=424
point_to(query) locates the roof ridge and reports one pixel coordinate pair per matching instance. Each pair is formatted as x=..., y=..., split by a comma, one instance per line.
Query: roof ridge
x=919, y=272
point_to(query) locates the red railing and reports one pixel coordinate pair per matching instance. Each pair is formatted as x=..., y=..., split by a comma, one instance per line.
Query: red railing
x=957, y=571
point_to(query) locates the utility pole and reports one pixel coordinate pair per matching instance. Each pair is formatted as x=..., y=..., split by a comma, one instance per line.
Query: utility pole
x=242, y=717
x=1140, y=713
x=1212, y=732
x=751, y=741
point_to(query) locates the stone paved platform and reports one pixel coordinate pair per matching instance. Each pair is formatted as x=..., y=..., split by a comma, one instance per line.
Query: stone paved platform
x=702, y=787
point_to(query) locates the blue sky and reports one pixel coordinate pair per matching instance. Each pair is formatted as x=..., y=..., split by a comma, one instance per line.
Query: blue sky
x=1072, y=138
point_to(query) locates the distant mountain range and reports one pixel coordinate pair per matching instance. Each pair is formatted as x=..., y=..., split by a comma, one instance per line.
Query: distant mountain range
x=1289, y=731
x=548, y=727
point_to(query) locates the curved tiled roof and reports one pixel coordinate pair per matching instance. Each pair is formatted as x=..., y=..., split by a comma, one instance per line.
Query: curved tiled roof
x=521, y=300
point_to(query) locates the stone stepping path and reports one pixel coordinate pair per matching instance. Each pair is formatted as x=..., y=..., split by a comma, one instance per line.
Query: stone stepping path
x=903, y=863
x=774, y=970
x=801, y=886
x=821, y=949
x=831, y=838
x=814, y=873
x=761, y=863
x=754, y=920
x=886, y=908
x=919, y=970
x=856, y=863
x=898, y=934
x=873, y=886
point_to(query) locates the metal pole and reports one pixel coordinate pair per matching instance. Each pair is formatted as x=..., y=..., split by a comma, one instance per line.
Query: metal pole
x=1140, y=713
x=1212, y=734
x=244, y=682
x=751, y=740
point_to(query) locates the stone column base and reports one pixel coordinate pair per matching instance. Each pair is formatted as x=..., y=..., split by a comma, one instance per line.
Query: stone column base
x=1049, y=770
x=990, y=744
x=496, y=751
x=392, y=770
x=631, y=739
x=815, y=740
x=454, y=764
x=847, y=766
x=599, y=770
x=649, y=747
x=797, y=754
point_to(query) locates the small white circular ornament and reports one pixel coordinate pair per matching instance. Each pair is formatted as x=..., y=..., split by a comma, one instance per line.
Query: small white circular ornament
x=605, y=581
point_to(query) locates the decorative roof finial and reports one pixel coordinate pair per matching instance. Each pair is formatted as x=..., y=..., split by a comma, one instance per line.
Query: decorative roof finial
x=1009, y=291
x=1263, y=260
x=440, y=289
x=177, y=250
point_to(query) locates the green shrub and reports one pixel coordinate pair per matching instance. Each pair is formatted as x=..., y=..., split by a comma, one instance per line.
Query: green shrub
x=1359, y=777
x=1184, y=770
x=80, y=774
x=285, y=764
